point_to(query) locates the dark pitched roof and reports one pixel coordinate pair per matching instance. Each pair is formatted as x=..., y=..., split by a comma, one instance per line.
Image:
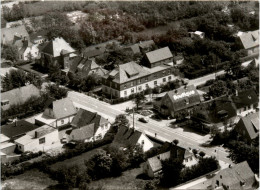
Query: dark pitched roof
x=79, y=62
x=159, y=54
x=251, y=124
x=56, y=46
x=217, y=110
x=134, y=48
x=245, y=98
x=17, y=128
x=94, y=53
x=127, y=136
x=85, y=117
x=238, y=173
x=167, y=151
x=183, y=98
x=83, y=133
x=37, y=35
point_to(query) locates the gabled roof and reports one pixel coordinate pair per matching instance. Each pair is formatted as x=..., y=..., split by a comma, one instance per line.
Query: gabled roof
x=146, y=44
x=83, y=133
x=238, y=173
x=85, y=117
x=127, y=136
x=38, y=35
x=127, y=72
x=251, y=124
x=56, y=47
x=3, y=138
x=183, y=98
x=173, y=151
x=94, y=53
x=62, y=108
x=20, y=95
x=159, y=54
x=79, y=63
x=17, y=128
x=8, y=34
x=250, y=39
x=245, y=98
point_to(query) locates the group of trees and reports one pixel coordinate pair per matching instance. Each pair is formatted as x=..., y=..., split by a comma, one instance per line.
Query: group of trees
x=19, y=78
x=9, y=52
x=175, y=173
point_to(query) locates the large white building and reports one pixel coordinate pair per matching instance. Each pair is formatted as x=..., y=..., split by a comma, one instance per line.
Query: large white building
x=130, y=78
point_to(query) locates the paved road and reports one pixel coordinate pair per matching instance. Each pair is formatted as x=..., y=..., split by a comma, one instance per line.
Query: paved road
x=204, y=79
x=163, y=132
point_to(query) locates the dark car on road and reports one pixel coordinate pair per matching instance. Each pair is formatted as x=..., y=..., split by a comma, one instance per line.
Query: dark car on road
x=144, y=120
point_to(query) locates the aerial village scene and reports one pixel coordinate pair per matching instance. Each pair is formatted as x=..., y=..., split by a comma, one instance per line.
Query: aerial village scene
x=131, y=95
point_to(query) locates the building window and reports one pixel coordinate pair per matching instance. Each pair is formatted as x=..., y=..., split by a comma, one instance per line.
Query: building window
x=217, y=182
x=170, y=78
x=155, y=82
x=5, y=102
x=142, y=142
x=125, y=93
x=140, y=88
x=164, y=79
x=42, y=140
x=190, y=158
x=245, y=109
x=140, y=81
x=146, y=79
x=62, y=121
x=132, y=90
x=169, y=71
x=146, y=85
x=220, y=176
x=125, y=86
x=132, y=83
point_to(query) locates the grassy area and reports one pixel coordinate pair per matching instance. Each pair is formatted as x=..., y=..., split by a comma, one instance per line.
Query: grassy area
x=77, y=160
x=32, y=179
x=128, y=180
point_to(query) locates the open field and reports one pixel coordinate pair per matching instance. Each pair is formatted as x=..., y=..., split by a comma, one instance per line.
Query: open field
x=32, y=179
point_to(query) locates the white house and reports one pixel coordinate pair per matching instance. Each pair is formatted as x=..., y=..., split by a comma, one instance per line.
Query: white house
x=126, y=137
x=40, y=139
x=87, y=126
x=153, y=166
x=57, y=113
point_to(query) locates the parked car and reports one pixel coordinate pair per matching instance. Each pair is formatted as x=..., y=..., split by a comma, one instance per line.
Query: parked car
x=144, y=120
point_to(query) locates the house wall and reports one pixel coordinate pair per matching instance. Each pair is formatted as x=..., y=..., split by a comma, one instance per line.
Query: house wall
x=48, y=112
x=145, y=143
x=35, y=146
x=245, y=110
x=158, y=63
x=101, y=131
x=34, y=51
x=148, y=170
x=125, y=92
x=190, y=161
x=9, y=149
x=63, y=121
x=253, y=50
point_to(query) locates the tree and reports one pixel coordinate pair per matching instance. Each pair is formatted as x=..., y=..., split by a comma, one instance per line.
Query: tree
x=121, y=120
x=10, y=52
x=176, y=141
x=99, y=165
x=139, y=98
x=194, y=151
x=171, y=169
x=202, y=154
x=218, y=88
x=53, y=90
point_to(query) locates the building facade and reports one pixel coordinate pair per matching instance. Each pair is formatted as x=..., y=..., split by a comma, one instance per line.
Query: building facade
x=131, y=78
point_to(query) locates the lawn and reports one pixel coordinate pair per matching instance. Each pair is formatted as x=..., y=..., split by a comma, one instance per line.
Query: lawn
x=128, y=180
x=32, y=179
x=77, y=160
